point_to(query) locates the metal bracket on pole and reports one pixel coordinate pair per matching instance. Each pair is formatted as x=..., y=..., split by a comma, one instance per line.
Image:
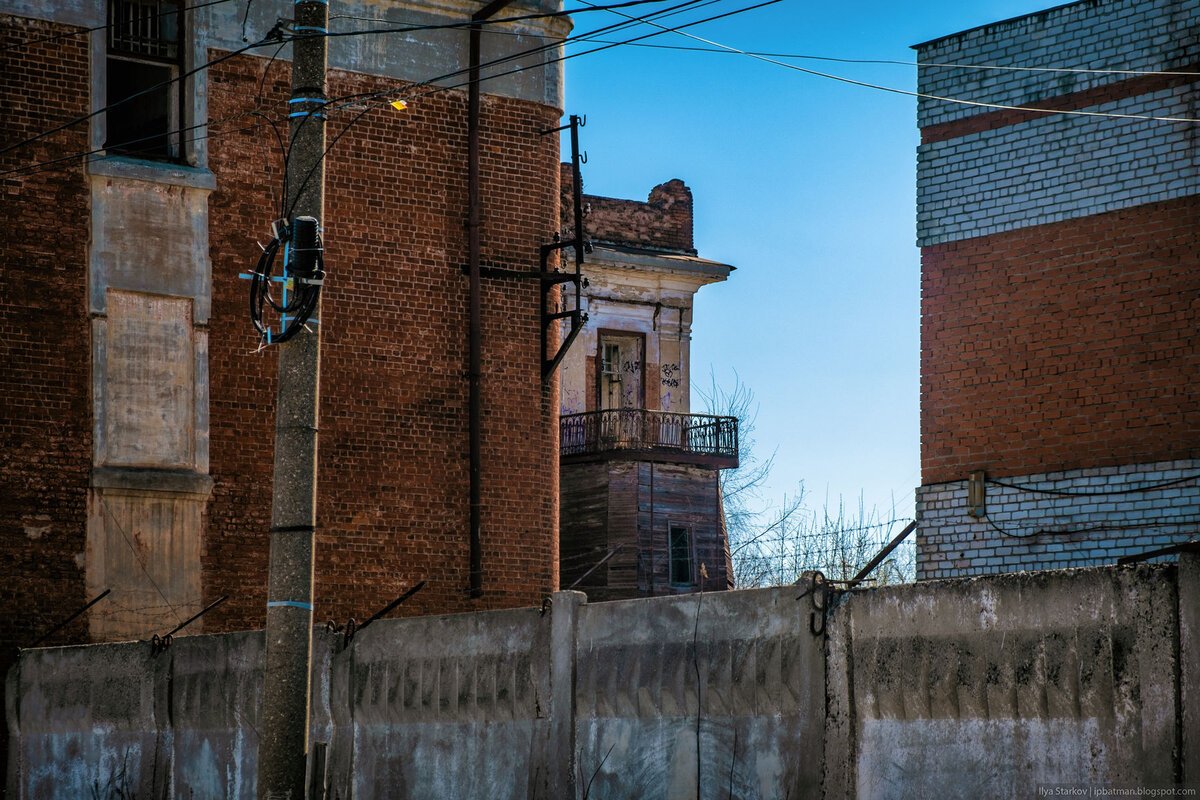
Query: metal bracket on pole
x=551, y=280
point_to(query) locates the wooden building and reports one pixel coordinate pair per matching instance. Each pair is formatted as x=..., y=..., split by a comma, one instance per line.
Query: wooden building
x=640, y=497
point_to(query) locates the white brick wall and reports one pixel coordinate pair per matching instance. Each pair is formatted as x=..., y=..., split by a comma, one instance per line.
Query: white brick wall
x=1098, y=34
x=1057, y=167
x=1027, y=530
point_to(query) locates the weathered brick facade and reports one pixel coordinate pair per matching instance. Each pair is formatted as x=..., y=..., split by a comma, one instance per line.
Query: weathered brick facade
x=1060, y=291
x=393, y=472
x=45, y=428
x=393, y=479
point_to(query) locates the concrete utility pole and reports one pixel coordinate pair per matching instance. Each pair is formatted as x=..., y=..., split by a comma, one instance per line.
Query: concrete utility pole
x=283, y=747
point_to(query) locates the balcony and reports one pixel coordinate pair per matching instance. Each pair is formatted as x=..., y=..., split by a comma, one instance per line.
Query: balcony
x=642, y=435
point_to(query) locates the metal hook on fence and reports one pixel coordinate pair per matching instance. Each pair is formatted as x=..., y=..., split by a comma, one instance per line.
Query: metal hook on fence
x=159, y=643
x=818, y=592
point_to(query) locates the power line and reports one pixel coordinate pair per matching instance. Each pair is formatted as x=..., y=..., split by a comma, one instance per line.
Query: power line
x=514, y=56
x=811, y=57
x=490, y=21
x=896, y=62
x=382, y=95
x=926, y=95
x=274, y=36
x=1149, y=524
x=867, y=61
x=1070, y=493
x=97, y=112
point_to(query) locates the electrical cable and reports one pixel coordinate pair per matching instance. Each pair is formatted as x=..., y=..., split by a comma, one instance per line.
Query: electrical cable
x=1069, y=493
x=490, y=21
x=182, y=76
x=925, y=95
x=382, y=95
x=303, y=274
x=1142, y=525
x=888, y=61
x=636, y=41
x=835, y=59
x=272, y=36
x=669, y=11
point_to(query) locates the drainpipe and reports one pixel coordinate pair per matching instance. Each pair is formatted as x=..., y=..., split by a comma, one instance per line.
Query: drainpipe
x=474, y=403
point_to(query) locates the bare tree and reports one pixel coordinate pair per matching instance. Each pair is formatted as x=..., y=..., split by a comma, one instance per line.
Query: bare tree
x=772, y=542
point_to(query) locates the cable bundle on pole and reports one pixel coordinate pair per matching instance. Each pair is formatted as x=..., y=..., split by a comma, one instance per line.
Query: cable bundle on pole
x=300, y=280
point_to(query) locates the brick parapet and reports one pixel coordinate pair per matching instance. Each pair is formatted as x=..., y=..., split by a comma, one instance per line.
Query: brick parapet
x=1068, y=518
x=662, y=222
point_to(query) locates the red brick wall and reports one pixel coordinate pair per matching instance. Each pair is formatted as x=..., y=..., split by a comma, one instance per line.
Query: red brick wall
x=45, y=387
x=1063, y=346
x=393, y=480
x=664, y=221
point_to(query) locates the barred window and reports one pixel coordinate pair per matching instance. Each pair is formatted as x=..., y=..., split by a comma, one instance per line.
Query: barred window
x=144, y=64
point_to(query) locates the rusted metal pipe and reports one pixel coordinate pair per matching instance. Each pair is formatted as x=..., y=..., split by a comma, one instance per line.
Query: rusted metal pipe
x=882, y=554
x=474, y=368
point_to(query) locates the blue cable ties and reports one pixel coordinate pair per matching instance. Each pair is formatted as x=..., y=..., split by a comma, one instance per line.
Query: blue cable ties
x=312, y=28
x=322, y=2
x=317, y=112
x=290, y=603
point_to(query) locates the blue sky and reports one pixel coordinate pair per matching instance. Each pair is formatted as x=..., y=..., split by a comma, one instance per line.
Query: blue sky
x=807, y=186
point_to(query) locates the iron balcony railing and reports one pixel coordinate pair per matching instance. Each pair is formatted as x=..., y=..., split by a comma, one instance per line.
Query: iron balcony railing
x=698, y=438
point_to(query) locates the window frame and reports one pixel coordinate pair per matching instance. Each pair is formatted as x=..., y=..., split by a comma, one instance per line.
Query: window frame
x=690, y=547
x=186, y=97
x=601, y=375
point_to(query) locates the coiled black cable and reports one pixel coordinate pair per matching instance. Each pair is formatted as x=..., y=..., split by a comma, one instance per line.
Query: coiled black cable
x=301, y=280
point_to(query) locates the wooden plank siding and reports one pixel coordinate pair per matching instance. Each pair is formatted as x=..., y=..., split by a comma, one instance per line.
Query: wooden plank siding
x=631, y=505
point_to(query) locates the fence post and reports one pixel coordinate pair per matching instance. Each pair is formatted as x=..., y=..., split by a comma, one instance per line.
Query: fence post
x=1189, y=666
x=561, y=756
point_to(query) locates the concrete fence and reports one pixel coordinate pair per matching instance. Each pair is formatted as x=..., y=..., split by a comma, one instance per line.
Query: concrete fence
x=989, y=687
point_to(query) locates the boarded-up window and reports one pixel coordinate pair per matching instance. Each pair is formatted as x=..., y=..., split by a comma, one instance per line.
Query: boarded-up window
x=149, y=392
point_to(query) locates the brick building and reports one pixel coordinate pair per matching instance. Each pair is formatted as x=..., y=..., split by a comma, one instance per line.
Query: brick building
x=136, y=408
x=1060, y=290
x=640, y=490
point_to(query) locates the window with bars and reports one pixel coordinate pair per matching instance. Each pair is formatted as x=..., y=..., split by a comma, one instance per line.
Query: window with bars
x=145, y=60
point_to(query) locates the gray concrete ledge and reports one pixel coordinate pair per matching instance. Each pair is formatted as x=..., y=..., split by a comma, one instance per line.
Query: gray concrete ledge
x=141, y=479
x=153, y=172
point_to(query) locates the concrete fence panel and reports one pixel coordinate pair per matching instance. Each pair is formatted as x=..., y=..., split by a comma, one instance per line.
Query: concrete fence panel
x=450, y=706
x=700, y=696
x=983, y=687
x=996, y=687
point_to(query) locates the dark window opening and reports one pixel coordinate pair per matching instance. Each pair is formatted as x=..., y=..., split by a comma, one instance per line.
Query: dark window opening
x=681, y=555
x=144, y=63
